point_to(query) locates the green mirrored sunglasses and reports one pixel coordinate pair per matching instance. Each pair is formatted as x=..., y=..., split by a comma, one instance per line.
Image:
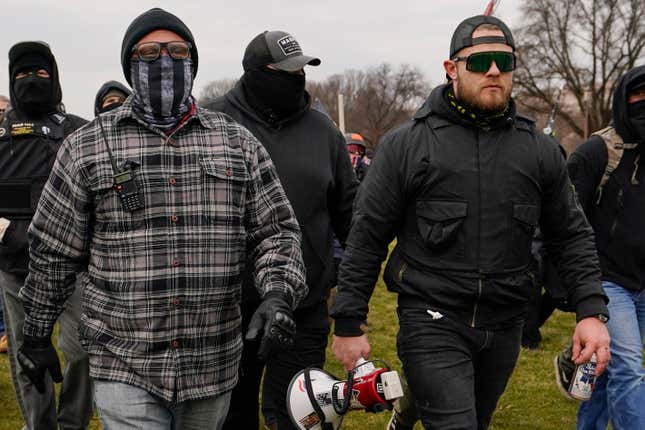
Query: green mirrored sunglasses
x=480, y=62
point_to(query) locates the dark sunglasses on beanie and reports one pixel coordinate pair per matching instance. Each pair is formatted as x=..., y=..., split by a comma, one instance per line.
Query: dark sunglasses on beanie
x=480, y=62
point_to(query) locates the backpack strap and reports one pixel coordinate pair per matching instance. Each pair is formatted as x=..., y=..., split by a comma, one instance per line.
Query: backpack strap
x=615, y=149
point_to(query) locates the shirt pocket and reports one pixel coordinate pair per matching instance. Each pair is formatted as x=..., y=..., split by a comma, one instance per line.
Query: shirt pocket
x=524, y=221
x=440, y=222
x=110, y=216
x=223, y=184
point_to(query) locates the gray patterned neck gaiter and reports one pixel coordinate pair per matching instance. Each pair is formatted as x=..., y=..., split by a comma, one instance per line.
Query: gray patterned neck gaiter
x=162, y=90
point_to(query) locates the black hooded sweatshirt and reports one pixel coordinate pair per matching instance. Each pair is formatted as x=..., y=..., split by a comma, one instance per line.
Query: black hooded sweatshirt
x=619, y=218
x=311, y=158
x=28, y=147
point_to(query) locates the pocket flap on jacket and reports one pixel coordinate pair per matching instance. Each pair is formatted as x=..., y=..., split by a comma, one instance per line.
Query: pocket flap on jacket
x=441, y=210
x=528, y=214
x=230, y=170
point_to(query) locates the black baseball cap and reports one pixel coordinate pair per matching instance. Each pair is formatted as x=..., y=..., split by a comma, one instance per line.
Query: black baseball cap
x=462, y=37
x=279, y=49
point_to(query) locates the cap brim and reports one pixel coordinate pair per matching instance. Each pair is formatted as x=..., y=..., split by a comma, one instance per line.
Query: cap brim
x=293, y=64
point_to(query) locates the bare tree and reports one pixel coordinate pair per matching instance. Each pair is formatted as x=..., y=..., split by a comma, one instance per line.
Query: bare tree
x=585, y=44
x=215, y=89
x=376, y=100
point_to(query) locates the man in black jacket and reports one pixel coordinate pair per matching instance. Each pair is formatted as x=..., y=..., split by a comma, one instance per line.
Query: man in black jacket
x=462, y=187
x=615, y=206
x=30, y=136
x=311, y=159
x=110, y=96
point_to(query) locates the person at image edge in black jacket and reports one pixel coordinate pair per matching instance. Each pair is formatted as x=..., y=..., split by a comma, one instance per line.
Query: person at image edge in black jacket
x=30, y=135
x=311, y=158
x=616, y=212
x=462, y=188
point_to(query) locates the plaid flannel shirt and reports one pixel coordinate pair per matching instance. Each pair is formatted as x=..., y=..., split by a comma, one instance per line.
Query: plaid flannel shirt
x=161, y=285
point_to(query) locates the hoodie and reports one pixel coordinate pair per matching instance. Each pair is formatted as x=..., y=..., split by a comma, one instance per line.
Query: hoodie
x=311, y=158
x=618, y=219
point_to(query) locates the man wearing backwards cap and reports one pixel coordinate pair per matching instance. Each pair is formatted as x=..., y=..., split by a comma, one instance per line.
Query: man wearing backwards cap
x=162, y=203
x=310, y=156
x=462, y=187
x=30, y=136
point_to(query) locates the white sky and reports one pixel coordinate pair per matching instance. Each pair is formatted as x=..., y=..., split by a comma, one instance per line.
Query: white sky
x=86, y=35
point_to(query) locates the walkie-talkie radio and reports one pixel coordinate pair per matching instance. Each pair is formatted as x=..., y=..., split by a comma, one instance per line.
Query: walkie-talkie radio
x=126, y=187
x=124, y=183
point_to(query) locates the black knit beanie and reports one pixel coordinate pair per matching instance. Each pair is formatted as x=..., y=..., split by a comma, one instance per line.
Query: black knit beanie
x=154, y=19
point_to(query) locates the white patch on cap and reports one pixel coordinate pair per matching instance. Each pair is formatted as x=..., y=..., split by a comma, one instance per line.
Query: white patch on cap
x=289, y=45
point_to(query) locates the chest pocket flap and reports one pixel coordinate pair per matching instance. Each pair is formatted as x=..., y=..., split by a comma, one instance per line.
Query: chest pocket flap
x=229, y=170
x=526, y=214
x=439, y=221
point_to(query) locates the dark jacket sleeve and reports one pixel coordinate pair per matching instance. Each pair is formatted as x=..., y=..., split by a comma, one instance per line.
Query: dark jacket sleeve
x=341, y=195
x=377, y=212
x=73, y=123
x=569, y=237
x=586, y=166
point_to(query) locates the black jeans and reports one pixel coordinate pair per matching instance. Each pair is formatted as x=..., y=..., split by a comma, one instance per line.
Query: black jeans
x=312, y=329
x=455, y=372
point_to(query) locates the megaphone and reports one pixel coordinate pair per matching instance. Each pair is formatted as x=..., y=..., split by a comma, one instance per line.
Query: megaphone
x=317, y=400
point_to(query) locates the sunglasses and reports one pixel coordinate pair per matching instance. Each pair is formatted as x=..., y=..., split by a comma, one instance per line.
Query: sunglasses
x=150, y=51
x=480, y=62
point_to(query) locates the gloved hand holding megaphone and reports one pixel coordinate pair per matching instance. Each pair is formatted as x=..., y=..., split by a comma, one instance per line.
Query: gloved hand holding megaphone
x=273, y=320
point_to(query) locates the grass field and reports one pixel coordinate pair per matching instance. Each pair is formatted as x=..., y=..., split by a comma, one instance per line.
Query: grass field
x=531, y=401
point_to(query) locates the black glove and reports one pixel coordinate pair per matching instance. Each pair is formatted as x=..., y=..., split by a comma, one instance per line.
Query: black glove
x=37, y=356
x=15, y=236
x=274, y=319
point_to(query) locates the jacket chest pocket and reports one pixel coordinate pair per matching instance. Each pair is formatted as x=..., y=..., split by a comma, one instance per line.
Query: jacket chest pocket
x=110, y=216
x=524, y=221
x=223, y=184
x=440, y=223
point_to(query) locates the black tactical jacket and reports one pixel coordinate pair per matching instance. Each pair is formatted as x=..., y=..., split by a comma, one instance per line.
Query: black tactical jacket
x=463, y=203
x=28, y=148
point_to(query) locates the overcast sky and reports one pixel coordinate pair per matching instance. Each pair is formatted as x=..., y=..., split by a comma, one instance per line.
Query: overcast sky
x=86, y=36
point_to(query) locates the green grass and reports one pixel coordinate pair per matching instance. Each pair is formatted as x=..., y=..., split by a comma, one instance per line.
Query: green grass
x=531, y=400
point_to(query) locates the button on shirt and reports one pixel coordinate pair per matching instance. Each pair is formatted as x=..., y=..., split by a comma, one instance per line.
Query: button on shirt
x=161, y=298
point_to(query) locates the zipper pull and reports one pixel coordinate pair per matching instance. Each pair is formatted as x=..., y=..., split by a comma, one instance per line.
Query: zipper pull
x=434, y=314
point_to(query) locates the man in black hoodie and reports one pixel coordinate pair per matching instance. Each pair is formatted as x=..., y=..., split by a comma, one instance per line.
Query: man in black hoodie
x=313, y=165
x=462, y=187
x=110, y=96
x=615, y=207
x=30, y=135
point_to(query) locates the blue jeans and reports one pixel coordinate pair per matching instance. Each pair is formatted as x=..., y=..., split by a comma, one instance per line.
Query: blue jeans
x=75, y=408
x=619, y=395
x=122, y=406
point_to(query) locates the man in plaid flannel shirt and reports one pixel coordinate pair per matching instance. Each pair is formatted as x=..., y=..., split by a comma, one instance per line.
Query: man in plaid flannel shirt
x=160, y=226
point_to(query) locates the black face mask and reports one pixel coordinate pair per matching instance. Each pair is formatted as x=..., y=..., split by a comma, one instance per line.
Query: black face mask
x=34, y=94
x=275, y=93
x=636, y=114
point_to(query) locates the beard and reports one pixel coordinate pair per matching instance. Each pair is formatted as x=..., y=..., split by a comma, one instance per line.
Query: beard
x=484, y=100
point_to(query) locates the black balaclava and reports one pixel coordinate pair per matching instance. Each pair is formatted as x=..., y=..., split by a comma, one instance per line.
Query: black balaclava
x=108, y=87
x=273, y=93
x=33, y=95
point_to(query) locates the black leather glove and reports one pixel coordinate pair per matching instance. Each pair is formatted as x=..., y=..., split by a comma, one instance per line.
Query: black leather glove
x=37, y=356
x=273, y=319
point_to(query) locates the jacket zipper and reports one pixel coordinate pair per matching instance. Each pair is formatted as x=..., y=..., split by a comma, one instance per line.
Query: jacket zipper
x=479, y=227
x=402, y=270
x=479, y=293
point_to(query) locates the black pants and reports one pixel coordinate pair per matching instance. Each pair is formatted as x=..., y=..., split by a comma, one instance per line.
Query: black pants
x=456, y=373
x=312, y=329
